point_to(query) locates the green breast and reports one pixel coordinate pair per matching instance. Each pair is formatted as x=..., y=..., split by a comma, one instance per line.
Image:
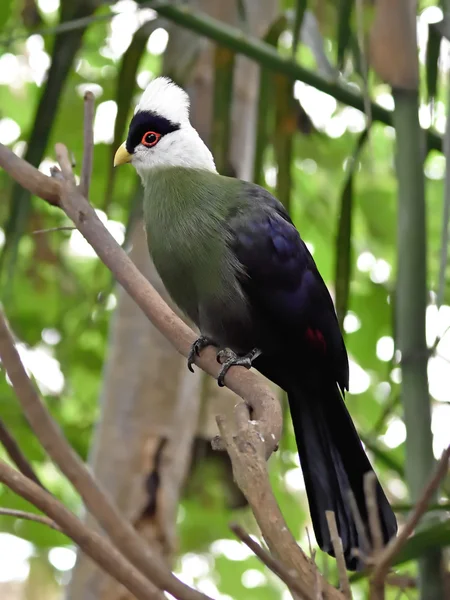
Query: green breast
x=185, y=212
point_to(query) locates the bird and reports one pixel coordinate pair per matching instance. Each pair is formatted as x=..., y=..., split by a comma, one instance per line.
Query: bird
x=233, y=261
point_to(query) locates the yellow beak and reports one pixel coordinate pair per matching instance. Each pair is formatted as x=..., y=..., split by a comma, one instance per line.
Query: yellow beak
x=122, y=156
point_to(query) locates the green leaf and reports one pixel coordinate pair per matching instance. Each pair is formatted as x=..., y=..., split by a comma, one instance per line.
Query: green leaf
x=406, y=507
x=266, y=55
x=436, y=536
x=432, y=61
x=265, y=104
x=369, y=301
x=344, y=30
x=126, y=85
x=222, y=107
x=300, y=9
x=383, y=455
x=64, y=51
x=5, y=12
x=285, y=128
x=242, y=13
x=344, y=236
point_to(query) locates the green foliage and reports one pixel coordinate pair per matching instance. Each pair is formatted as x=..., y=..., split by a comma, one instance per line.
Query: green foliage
x=344, y=31
x=265, y=109
x=344, y=235
x=5, y=12
x=300, y=9
x=224, y=61
x=64, y=51
x=432, y=60
x=126, y=84
x=62, y=300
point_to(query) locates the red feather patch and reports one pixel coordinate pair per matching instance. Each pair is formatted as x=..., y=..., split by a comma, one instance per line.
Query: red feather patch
x=315, y=338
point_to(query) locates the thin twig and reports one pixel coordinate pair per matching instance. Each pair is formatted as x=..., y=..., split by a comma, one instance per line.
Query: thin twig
x=312, y=552
x=90, y=542
x=318, y=586
x=370, y=492
x=396, y=544
x=339, y=555
x=72, y=25
x=52, y=229
x=290, y=578
x=97, y=502
x=66, y=26
x=16, y=455
x=29, y=177
x=438, y=340
x=21, y=514
x=318, y=581
x=245, y=446
x=447, y=360
x=402, y=581
x=404, y=507
x=65, y=163
x=392, y=402
x=365, y=546
x=88, y=144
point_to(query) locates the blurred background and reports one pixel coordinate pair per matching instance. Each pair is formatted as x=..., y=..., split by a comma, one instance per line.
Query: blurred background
x=107, y=376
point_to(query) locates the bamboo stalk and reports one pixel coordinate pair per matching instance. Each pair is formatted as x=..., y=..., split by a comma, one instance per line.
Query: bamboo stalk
x=446, y=205
x=223, y=103
x=267, y=56
x=344, y=253
x=410, y=316
x=285, y=127
x=264, y=124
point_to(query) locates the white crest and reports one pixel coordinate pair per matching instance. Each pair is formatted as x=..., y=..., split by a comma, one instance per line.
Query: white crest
x=167, y=99
x=180, y=148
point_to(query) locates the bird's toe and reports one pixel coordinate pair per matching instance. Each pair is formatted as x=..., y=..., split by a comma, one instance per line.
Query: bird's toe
x=227, y=358
x=199, y=344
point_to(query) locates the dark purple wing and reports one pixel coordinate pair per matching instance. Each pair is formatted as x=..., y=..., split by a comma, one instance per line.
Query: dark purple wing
x=282, y=282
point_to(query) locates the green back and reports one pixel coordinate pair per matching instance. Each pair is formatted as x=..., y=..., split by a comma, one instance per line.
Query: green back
x=185, y=212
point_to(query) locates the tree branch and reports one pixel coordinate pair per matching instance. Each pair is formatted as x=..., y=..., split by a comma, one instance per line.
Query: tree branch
x=29, y=177
x=266, y=407
x=99, y=505
x=249, y=450
x=370, y=492
x=21, y=514
x=88, y=144
x=93, y=544
x=246, y=450
x=294, y=583
x=177, y=453
x=16, y=455
x=248, y=385
x=339, y=554
x=396, y=544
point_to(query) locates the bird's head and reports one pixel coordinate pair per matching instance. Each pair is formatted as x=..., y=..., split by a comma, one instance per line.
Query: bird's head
x=160, y=134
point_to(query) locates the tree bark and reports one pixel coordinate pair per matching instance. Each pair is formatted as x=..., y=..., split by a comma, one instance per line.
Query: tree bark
x=150, y=403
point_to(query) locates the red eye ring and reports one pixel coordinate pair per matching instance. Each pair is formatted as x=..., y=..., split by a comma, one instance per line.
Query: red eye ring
x=151, y=138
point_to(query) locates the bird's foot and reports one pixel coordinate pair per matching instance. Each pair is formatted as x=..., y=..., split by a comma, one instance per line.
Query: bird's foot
x=227, y=358
x=199, y=344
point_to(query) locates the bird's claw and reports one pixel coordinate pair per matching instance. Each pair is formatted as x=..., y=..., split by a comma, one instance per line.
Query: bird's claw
x=199, y=344
x=227, y=358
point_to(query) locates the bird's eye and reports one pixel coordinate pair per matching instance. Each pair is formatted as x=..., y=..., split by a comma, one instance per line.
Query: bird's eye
x=151, y=138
